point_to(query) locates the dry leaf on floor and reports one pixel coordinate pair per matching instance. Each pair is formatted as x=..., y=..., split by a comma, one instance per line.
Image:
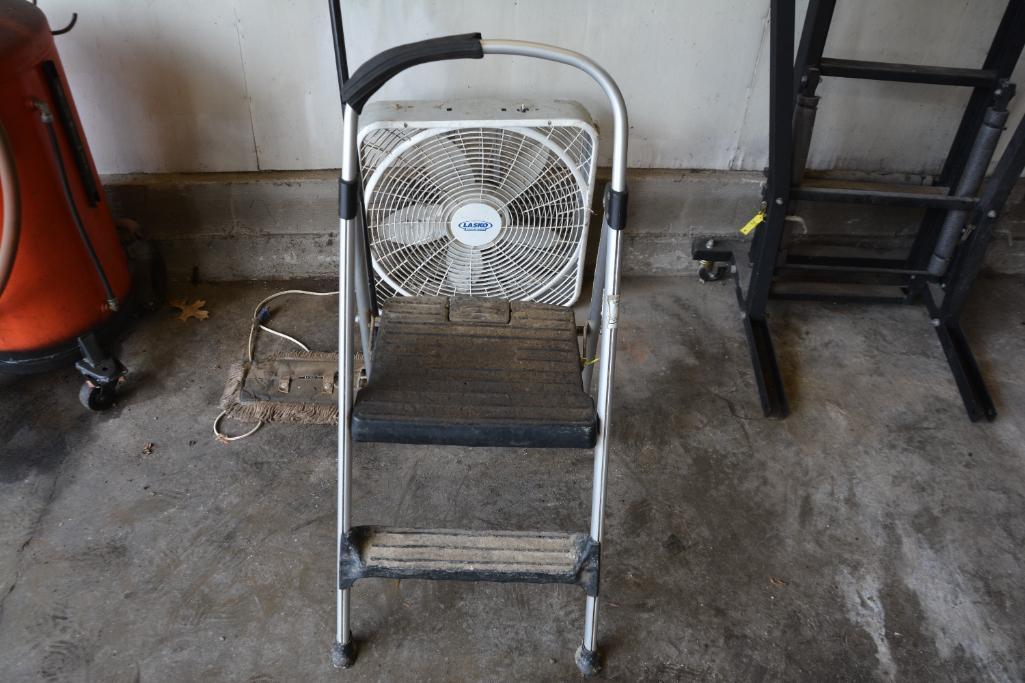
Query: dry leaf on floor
x=777, y=582
x=193, y=310
x=147, y=449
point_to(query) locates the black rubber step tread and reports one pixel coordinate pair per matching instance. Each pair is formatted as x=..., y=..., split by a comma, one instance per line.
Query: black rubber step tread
x=468, y=555
x=506, y=374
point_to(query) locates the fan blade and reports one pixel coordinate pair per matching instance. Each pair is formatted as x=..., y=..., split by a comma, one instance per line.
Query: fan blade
x=464, y=272
x=536, y=250
x=538, y=239
x=445, y=164
x=414, y=224
x=526, y=167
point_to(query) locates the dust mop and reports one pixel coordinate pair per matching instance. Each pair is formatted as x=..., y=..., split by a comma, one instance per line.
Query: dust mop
x=296, y=387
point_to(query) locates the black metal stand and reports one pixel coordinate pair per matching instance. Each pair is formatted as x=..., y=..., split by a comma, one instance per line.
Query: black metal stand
x=950, y=246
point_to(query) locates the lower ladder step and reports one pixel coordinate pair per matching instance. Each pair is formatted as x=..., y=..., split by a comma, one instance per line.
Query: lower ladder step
x=463, y=555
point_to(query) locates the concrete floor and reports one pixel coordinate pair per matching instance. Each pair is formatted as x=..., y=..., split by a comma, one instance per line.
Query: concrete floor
x=875, y=534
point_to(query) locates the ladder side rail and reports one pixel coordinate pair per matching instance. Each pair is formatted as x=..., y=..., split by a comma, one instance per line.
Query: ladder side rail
x=1004, y=51
x=768, y=238
x=972, y=253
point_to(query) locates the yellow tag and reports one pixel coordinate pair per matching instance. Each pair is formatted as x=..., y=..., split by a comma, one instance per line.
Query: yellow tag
x=753, y=223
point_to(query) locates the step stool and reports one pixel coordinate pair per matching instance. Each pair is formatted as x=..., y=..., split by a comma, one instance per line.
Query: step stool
x=473, y=371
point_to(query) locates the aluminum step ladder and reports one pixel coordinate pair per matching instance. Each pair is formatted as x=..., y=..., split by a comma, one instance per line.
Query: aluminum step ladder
x=430, y=379
x=960, y=212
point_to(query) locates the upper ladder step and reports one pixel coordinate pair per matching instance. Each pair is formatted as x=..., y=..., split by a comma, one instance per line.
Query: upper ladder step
x=473, y=371
x=925, y=197
x=908, y=73
x=463, y=555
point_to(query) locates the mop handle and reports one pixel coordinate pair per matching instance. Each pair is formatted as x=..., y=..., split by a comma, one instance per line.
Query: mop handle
x=381, y=68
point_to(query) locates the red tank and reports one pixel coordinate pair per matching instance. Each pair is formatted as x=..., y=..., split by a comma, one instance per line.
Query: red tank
x=55, y=291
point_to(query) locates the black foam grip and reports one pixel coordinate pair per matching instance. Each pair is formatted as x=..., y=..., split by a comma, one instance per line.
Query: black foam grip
x=615, y=208
x=348, y=199
x=379, y=69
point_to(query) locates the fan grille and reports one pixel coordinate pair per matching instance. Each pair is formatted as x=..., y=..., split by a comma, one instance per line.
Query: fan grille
x=536, y=180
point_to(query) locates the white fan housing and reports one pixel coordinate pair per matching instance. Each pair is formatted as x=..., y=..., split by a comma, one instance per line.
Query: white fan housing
x=479, y=197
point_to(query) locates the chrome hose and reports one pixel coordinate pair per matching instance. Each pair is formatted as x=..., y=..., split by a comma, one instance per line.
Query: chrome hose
x=11, y=210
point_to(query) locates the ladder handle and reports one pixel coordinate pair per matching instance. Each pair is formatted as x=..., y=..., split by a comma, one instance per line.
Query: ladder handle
x=381, y=68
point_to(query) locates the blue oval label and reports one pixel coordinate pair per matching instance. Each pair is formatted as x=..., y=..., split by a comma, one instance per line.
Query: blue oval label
x=476, y=226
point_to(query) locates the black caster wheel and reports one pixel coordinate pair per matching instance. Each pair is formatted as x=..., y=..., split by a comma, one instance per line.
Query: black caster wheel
x=97, y=397
x=711, y=272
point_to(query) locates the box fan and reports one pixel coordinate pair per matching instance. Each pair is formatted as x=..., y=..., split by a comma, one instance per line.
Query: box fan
x=479, y=197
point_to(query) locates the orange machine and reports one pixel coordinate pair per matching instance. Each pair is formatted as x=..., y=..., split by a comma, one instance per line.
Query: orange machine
x=64, y=275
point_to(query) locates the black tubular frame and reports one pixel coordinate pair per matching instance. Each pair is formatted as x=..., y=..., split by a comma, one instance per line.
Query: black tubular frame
x=342, y=71
x=950, y=246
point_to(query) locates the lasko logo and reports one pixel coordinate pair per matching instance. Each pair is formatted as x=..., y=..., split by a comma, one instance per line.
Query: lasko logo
x=476, y=226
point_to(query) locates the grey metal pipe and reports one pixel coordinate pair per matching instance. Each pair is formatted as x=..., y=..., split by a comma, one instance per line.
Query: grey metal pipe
x=346, y=312
x=594, y=312
x=971, y=180
x=592, y=69
x=10, y=230
x=804, y=124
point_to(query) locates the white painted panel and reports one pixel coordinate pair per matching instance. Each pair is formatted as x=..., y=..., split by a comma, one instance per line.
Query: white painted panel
x=873, y=126
x=158, y=85
x=289, y=64
x=685, y=100
x=247, y=84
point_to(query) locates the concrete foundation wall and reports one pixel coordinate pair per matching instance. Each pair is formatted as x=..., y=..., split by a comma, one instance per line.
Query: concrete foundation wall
x=283, y=225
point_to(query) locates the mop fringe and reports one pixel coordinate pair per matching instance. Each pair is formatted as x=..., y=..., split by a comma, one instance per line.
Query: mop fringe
x=276, y=411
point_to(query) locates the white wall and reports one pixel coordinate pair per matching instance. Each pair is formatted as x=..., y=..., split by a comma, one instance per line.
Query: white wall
x=245, y=85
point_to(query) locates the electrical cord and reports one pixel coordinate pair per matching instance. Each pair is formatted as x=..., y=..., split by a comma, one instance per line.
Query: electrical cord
x=224, y=438
x=259, y=317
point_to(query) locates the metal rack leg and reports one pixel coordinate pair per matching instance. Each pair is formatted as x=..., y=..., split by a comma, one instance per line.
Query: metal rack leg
x=961, y=276
x=587, y=657
x=767, y=375
x=765, y=248
x=977, y=400
x=343, y=652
